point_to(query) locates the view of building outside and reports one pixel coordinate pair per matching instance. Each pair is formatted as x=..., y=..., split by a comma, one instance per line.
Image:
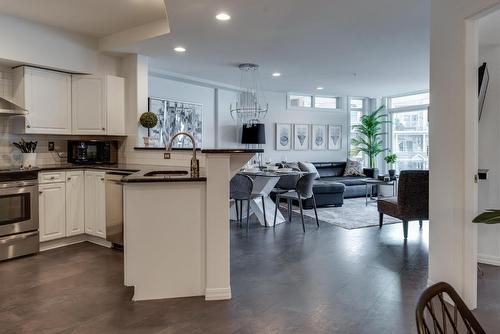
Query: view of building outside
x=356, y=110
x=410, y=139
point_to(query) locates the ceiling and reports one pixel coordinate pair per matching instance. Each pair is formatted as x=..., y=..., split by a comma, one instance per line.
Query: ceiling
x=489, y=26
x=354, y=47
x=95, y=18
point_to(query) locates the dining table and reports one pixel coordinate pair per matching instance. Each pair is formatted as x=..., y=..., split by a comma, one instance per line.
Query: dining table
x=263, y=184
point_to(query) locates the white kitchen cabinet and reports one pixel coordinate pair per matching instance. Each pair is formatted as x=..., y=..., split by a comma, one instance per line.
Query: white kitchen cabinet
x=46, y=95
x=52, y=211
x=98, y=105
x=75, y=203
x=95, y=204
x=115, y=105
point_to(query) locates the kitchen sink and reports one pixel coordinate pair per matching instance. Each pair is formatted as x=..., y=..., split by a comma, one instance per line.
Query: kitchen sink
x=167, y=173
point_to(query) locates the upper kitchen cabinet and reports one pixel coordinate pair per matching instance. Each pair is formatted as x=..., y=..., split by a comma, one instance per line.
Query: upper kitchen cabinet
x=46, y=95
x=98, y=105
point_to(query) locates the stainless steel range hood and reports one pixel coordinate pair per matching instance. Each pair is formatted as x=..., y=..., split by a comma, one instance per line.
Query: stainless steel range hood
x=9, y=108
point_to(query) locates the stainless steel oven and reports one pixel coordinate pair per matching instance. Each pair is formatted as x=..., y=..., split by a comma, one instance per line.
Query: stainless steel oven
x=18, y=218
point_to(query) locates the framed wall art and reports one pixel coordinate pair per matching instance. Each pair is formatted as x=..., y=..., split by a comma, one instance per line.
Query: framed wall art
x=176, y=116
x=283, y=137
x=334, y=137
x=319, y=137
x=301, y=137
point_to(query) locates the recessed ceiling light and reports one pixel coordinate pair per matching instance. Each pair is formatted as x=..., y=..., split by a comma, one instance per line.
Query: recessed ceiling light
x=180, y=49
x=320, y=88
x=276, y=74
x=223, y=16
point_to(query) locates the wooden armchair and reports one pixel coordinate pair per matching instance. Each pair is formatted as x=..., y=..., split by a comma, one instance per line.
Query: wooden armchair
x=412, y=202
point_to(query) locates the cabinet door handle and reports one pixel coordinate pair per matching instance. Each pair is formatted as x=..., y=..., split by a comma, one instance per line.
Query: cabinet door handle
x=52, y=177
x=69, y=179
x=28, y=126
x=102, y=179
x=40, y=192
x=103, y=129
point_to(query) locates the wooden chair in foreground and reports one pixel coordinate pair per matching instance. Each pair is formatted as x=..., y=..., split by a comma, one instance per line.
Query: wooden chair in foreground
x=435, y=314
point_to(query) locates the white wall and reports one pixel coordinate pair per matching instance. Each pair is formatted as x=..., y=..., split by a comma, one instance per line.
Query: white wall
x=36, y=44
x=489, y=158
x=453, y=134
x=220, y=130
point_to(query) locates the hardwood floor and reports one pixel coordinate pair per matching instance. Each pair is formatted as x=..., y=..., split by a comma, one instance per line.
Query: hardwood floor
x=328, y=280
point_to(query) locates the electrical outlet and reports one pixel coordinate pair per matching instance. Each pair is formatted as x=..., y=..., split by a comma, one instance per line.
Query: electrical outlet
x=51, y=146
x=166, y=155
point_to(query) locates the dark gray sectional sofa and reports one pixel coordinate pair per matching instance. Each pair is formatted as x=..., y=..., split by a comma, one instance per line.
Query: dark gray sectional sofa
x=332, y=186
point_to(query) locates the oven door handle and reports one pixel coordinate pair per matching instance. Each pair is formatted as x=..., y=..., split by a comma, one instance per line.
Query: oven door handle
x=22, y=236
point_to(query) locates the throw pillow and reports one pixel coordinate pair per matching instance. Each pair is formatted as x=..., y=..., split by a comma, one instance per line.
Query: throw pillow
x=309, y=168
x=292, y=165
x=353, y=168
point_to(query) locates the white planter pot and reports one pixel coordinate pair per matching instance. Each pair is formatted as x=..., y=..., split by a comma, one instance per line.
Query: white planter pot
x=29, y=160
x=148, y=141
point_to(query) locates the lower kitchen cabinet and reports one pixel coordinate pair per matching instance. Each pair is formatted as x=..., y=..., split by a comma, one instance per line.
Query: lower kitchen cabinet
x=95, y=203
x=75, y=203
x=52, y=211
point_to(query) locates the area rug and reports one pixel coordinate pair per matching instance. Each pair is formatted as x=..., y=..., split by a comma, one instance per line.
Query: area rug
x=352, y=215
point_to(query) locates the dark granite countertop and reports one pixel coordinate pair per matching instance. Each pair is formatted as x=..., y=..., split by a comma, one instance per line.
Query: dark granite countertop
x=165, y=174
x=232, y=150
x=207, y=150
x=115, y=167
x=138, y=172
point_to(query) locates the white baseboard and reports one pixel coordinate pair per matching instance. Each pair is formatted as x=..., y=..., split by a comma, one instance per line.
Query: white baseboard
x=218, y=294
x=44, y=246
x=488, y=259
x=99, y=241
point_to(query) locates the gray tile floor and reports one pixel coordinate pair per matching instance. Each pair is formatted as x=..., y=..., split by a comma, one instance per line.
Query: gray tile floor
x=328, y=280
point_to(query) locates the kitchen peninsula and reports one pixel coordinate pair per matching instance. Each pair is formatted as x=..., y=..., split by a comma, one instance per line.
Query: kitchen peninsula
x=176, y=228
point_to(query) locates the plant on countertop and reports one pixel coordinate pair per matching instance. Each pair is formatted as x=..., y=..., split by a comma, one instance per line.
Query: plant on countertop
x=369, y=135
x=148, y=120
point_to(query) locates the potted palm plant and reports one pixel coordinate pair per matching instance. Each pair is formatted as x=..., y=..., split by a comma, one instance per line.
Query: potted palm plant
x=391, y=159
x=369, y=135
x=148, y=120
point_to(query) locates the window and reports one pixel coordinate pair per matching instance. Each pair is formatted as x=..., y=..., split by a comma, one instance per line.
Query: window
x=419, y=99
x=301, y=101
x=356, y=111
x=313, y=102
x=323, y=102
x=410, y=139
x=356, y=104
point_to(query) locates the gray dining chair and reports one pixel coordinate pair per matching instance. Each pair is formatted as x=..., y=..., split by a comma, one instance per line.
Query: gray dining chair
x=303, y=190
x=287, y=183
x=240, y=189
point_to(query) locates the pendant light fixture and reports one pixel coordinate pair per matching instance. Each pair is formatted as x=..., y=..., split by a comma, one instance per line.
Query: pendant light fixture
x=249, y=107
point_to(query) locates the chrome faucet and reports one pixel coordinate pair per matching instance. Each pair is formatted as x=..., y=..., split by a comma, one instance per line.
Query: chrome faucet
x=195, y=163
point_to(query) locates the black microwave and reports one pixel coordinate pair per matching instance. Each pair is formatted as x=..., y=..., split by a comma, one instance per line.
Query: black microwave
x=92, y=152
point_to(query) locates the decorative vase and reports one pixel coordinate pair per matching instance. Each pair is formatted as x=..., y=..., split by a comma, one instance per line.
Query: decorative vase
x=29, y=160
x=148, y=141
x=392, y=173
